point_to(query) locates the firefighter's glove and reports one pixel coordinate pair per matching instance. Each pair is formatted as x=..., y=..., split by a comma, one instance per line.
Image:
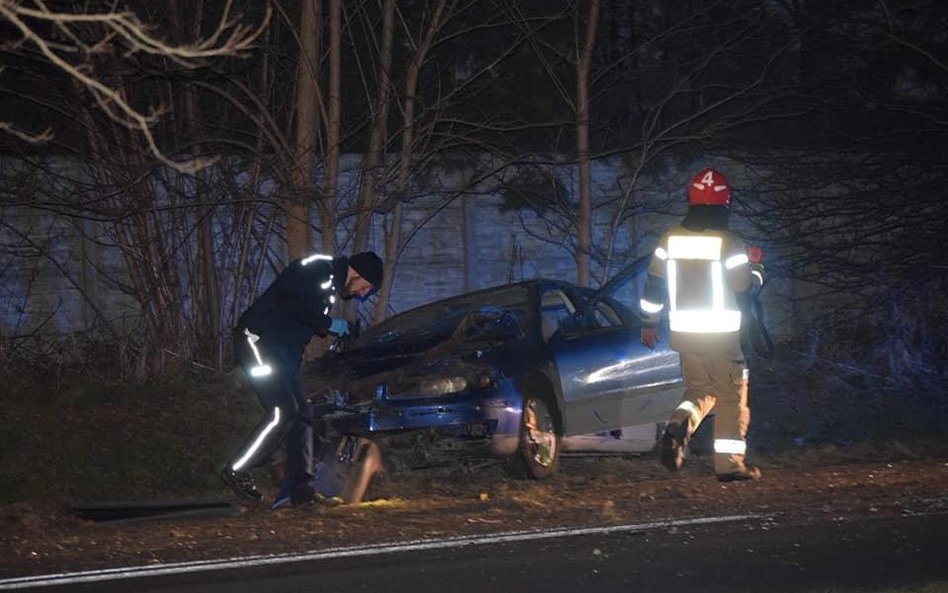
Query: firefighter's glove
x=755, y=254
x=339, y=327
x=649, y=336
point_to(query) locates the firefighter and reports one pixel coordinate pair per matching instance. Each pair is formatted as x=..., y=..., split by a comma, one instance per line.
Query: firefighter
x=268, y=344
x=702, y=273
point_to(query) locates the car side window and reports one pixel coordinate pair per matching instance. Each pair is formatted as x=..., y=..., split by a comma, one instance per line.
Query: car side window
x=604, y=316
x=556, y=311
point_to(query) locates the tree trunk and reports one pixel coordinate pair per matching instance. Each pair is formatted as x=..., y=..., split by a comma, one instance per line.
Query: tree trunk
x=584, y=218
x=205, y=292
x=298, y=241
x=327, y=209
x=378, y=135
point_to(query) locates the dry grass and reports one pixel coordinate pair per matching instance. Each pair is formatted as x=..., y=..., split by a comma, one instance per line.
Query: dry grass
x=72, y=438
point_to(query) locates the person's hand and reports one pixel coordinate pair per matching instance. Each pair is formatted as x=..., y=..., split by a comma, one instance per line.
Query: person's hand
x=755, y=254
x=339, y=327
x=649, y=336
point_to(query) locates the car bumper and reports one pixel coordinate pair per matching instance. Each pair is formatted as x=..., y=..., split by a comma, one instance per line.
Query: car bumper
x=492, y=413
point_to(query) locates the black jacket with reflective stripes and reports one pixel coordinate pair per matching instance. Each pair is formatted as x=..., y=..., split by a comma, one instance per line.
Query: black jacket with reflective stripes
x=295, y=306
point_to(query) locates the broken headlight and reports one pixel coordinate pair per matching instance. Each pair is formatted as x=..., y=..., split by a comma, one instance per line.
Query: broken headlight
x=433, y=386
x=441, y=385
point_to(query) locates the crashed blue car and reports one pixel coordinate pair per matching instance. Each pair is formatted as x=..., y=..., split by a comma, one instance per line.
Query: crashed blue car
x=514, y=371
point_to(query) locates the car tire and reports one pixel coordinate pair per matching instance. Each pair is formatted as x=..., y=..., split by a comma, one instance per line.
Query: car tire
x=538, y=447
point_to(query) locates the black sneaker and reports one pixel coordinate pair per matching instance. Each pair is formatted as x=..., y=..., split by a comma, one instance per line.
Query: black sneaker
x=241, y=483
x=748, y=472
x=303, y=493
x=673, y=446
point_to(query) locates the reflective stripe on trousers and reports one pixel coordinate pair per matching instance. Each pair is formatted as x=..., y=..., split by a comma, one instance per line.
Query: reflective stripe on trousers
x=279, y=392
x=719, y=383
x=255, y=445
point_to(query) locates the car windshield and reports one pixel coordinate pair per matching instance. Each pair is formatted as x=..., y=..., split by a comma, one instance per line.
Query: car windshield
x=495, y=312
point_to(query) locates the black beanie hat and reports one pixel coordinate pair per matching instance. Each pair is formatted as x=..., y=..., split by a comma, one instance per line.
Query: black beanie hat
x=368, y=265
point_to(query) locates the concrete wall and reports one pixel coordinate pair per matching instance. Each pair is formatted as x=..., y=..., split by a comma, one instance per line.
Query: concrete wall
x=48, y=261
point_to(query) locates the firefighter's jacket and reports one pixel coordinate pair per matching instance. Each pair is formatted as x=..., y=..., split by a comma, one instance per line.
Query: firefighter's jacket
x=697, y=277
x=296, y=306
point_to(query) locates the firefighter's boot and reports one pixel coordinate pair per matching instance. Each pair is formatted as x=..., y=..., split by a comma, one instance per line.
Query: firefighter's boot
x=241, y=483
x=674, y=440
x=745, y=472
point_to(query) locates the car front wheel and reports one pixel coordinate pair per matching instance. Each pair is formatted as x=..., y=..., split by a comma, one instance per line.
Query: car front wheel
x=539, y=448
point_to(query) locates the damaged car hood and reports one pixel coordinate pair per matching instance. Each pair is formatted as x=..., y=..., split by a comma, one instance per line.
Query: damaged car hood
x=449, y=354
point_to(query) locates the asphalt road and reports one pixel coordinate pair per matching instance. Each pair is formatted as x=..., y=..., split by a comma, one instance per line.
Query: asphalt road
x=723, y=554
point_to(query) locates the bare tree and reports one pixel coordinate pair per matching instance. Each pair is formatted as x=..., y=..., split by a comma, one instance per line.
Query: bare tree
x=276, y=155
x=306, y=149
x=419, y=87
x=68, y=40
x=394, y=227
x=677, y=80
x=584, y=46
x=370, y=187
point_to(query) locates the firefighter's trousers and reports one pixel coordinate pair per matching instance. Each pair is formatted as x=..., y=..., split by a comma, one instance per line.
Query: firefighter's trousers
x=717, y=381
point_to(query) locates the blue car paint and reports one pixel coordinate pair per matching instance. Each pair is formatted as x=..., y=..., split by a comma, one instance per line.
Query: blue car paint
x=492, y=413
x=609, y=378
x=595, y=375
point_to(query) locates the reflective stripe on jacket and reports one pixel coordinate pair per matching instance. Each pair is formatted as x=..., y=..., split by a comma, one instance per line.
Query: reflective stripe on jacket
x=296, y=305
x=697, y=274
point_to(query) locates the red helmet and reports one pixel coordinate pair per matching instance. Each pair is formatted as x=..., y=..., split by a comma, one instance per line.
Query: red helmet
x=709, y=188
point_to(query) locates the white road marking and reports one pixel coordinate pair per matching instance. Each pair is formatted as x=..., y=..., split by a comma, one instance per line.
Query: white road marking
x=114, y=574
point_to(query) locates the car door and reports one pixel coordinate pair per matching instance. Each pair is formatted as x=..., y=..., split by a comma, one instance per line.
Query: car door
x=608, y=379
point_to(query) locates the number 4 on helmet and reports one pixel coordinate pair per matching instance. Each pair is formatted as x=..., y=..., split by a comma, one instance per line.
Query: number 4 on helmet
x=709, y=188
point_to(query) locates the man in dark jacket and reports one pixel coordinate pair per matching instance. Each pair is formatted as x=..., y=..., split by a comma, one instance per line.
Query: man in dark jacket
x=268, y=343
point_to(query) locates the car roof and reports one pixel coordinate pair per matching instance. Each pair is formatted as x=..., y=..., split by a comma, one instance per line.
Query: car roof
x=590, y=295
x=532, y=284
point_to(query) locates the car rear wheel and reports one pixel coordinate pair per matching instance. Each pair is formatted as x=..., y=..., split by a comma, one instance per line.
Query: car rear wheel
x=538, y=452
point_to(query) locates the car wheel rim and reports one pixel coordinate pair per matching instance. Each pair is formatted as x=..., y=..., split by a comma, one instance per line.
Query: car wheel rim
x=540, y=433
